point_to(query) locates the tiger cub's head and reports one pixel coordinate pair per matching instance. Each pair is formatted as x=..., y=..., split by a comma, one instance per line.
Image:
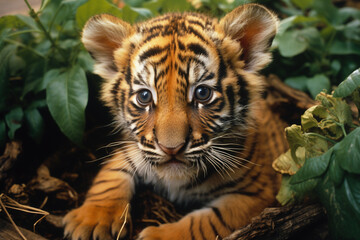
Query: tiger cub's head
x=183, y=85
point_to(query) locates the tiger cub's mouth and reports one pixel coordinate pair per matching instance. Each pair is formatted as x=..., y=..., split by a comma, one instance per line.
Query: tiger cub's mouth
x=173, y=160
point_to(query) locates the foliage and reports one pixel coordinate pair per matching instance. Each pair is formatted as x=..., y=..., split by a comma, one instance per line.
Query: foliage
x=43, y=64
x=324, y=159
x=317, y=44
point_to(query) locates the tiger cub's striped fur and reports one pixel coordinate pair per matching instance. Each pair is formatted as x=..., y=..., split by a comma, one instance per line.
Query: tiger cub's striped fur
x=185, y=91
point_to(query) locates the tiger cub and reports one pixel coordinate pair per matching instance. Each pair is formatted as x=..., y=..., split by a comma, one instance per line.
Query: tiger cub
x=185, y=91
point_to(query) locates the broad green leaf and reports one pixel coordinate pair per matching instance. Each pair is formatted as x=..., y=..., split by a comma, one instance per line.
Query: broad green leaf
x=94, y=7
x=131, y=14
x=85, y=61
x=304, y=188
x=67, y=97
x=291, y=43
x=28, y=21
x=303, y=4
x=347, y=152
x=341, y=208
x=35, y=124
x=345, y=13
x=286, y=195
x=40, y=84
x=317, y=84
x=355, y=97
x=326, y=9
x=313, y=167
x=5, y=55
x=344, y=47
x=14, y=121
x=349, y=85
x=352, y=30
x=11, y=21
x=298, y=82
x=73, y=5
x=178, y=6
x=128, y=14
x=336, y=173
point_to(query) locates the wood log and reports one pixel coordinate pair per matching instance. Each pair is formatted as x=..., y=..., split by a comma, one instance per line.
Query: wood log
x=280, y=223
x=8, y=232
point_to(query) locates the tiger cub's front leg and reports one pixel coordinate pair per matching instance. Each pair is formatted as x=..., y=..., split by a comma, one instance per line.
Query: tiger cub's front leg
x=104, y=211
x=218, y=219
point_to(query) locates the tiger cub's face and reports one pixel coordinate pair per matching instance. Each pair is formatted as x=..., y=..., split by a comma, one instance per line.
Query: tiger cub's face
x=183, y=85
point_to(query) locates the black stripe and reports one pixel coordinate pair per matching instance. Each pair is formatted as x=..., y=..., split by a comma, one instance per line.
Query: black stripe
x=200, y=229
x=128, y=74
x=191, y=228
x=154, y=35
x=221, y=219
x=152, y=52
x=222, y=69
x=197, y=49
x=181, y=45
x=119, y=170
x=197, y=23
x=243, y=94
x=213, y=228
x=197, y=34
x=231, y=99
x=104, y=191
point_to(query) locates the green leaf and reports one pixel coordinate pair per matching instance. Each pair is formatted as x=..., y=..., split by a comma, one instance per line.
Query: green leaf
x=35, y=123
x=5, y=55
x=303, y=4
x=11, y=21
x=291, y=43
x=317, y=84
x=347, y=152
x=344, y=47
x=348, y=86
x=28, y=21
x=298, y=82
x=313, y=167
x=67, y=97
x=335, y=172
x=326, y=9
x=131, y=14
x=341, y=205
x=85, y=61
x=14, y=121
x=178, y=5
x=94, y=7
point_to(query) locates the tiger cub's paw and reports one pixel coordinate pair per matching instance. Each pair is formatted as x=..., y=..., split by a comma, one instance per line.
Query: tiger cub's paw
x=164, y=232
x=92, y=221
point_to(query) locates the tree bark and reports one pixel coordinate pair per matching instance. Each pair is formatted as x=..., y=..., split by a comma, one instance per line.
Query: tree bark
x=280, y=223
x=8, y=232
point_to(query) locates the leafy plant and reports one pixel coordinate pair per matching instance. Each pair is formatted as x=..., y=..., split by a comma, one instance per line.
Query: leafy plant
x=43, y=63
x=324, y=159
x=316, y=45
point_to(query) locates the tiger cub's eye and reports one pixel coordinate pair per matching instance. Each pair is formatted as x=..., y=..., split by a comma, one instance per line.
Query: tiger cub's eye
x=144, y=97
x=203, y=94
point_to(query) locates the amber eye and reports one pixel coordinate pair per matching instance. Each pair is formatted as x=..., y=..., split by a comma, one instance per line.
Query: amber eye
x=144, y=97
x=203, y=93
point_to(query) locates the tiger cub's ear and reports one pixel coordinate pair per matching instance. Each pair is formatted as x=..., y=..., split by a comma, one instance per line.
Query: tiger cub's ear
x=254, y=27
x=101, y=36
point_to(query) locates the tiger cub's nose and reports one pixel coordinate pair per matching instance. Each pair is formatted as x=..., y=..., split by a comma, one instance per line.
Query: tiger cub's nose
x=171, y=150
